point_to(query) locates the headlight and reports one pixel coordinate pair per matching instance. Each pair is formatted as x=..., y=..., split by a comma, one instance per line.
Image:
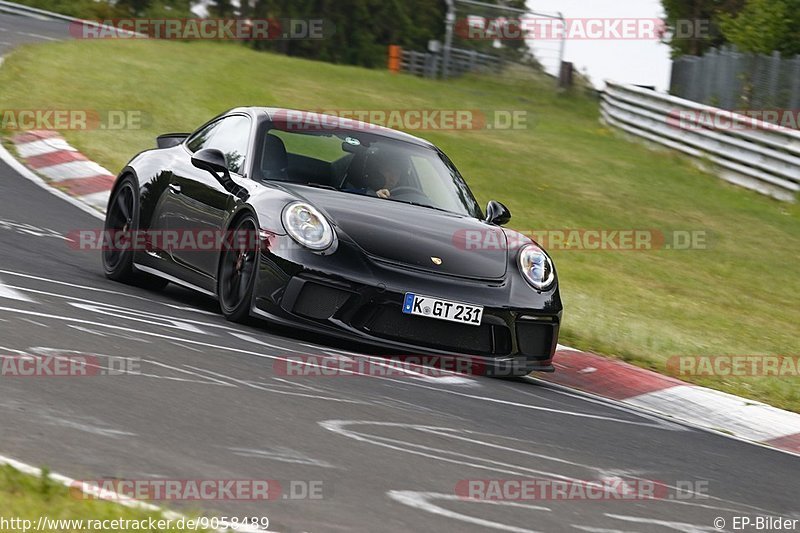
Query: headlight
x=536, y=267
x=307, y=226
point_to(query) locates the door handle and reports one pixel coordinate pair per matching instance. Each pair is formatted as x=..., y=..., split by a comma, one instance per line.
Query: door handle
x=175, y=187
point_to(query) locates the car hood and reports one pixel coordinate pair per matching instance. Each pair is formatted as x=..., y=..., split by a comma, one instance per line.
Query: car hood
x=413, y=235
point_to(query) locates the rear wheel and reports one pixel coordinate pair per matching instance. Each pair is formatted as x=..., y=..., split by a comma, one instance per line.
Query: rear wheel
x=122, y=221
x=237, y=270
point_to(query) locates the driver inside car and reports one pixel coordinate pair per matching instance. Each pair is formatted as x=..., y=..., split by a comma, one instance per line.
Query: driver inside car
x=375, y=173
x=390, y=179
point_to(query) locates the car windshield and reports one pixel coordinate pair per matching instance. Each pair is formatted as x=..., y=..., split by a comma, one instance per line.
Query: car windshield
x=359, y=162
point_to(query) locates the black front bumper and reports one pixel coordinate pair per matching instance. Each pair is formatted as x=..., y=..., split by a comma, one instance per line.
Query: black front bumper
x=510, y=341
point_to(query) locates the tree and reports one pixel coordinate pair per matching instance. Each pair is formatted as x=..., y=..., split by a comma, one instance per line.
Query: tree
x=702, y=17
x=357, y=32
x=221, y=8
x=763, y=26
x=155, y=8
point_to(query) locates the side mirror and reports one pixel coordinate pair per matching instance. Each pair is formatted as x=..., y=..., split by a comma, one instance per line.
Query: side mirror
x=168, y=140
x=497, y=213
x=213, y=161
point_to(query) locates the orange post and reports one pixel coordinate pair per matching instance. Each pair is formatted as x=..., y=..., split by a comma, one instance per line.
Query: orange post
x=395, y=56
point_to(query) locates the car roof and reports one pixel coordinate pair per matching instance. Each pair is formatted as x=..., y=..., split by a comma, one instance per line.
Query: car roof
x=335, y=122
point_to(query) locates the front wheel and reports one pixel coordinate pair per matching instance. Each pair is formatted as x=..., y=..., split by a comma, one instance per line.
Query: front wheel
x=237, y=270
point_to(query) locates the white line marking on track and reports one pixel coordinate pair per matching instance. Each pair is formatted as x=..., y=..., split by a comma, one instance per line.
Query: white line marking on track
x=422, y=501
x=87, y=428
x=443, y=390
x=102, y=308
x=472, y=460
x=35, y=323
x=37, y=36
x=187, y=347
x=282, y=455
x=677, y=526
x=109, y=334
x=8, y=292
x=98, y=289
x=204, y=380
x=265, y=387
x=447, y=377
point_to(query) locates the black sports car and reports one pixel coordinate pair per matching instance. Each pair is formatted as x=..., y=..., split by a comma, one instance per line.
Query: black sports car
x=339, y=227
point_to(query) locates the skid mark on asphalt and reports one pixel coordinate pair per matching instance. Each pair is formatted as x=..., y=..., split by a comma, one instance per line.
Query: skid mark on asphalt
x=28, y=230
x=86, y=427
x=281, y=454
x=109, y=334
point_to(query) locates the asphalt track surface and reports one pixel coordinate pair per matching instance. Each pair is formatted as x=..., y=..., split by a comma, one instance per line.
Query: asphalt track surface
x=209, y=401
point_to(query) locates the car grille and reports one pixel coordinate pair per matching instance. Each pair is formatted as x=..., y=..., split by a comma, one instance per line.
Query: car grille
x=389, y=322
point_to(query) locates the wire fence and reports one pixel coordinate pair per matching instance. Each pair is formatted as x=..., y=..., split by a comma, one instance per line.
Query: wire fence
x=732, y=80
x=484, y=37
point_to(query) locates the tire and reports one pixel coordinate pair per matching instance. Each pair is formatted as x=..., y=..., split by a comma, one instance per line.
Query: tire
x=238, y=268
x=123, y=216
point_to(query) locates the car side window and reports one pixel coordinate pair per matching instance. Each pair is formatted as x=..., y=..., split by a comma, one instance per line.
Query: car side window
x=231, y=136
x=200, y=139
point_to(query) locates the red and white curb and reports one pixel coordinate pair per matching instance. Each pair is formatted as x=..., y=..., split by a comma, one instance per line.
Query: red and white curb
x=746, y=419
x=65, y=168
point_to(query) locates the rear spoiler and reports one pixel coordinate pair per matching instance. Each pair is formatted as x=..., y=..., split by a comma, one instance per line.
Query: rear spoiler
x=168, y=140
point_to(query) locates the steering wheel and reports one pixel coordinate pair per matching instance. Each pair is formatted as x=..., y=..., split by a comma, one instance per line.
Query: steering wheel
x=405, y=189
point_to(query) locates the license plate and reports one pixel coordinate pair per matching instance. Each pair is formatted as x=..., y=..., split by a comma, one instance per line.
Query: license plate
x=442, y=309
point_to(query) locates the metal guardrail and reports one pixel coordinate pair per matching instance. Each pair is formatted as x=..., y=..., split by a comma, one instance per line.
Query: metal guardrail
x=20, y=9
x=742, y=150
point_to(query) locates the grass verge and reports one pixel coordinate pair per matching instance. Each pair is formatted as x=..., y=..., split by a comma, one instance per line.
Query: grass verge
x=564, y=171
x=24, y=500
